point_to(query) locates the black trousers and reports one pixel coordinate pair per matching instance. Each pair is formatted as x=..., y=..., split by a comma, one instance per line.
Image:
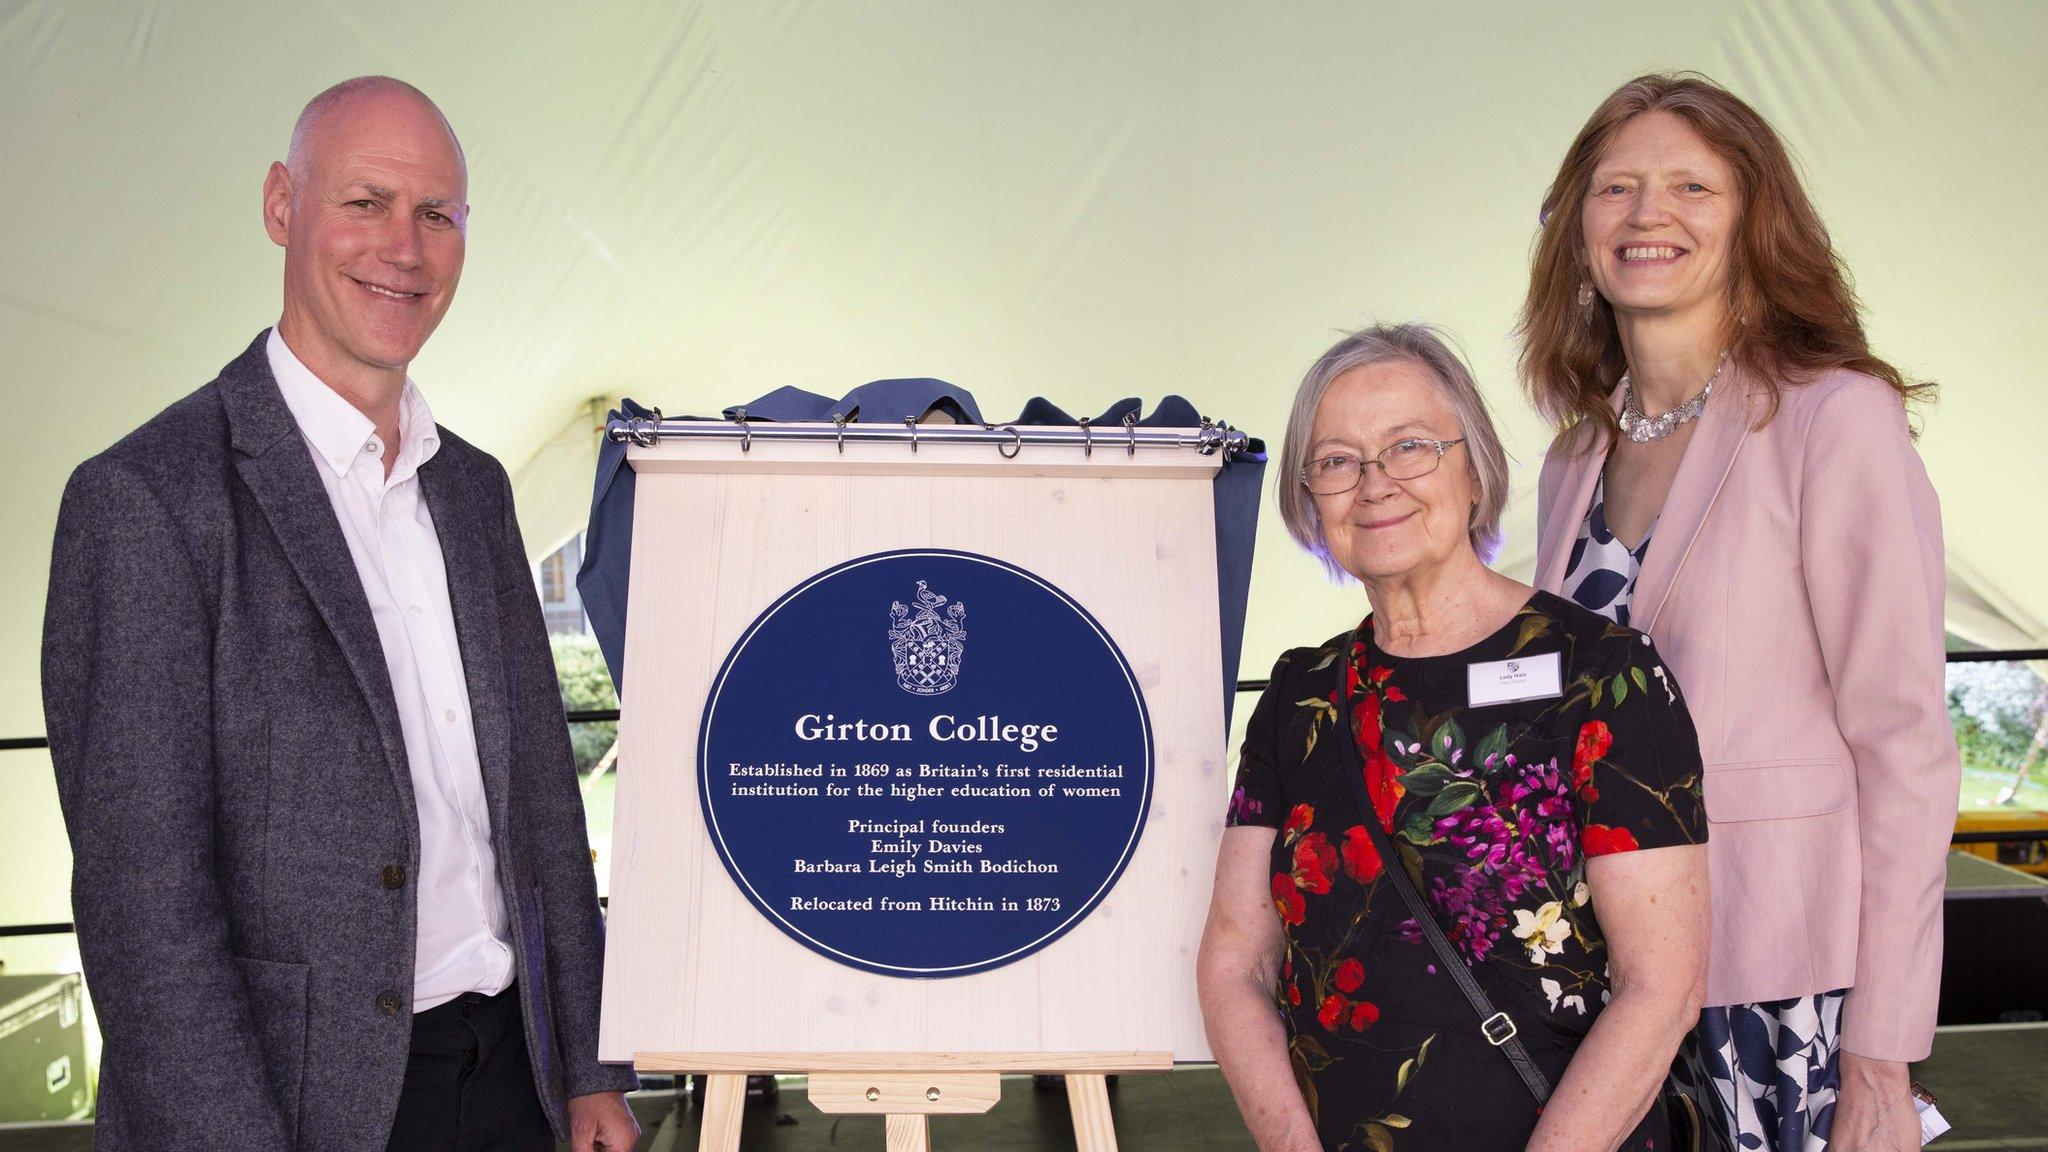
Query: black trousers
x=468, y=1082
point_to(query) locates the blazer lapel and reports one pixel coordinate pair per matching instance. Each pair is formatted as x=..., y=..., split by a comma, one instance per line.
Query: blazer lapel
x=1568, y=510
x=459, y=514
x=1723, y=427
x=273, y=462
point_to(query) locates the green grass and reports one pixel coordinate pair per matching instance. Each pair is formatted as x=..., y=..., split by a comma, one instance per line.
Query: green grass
x=1983, y=782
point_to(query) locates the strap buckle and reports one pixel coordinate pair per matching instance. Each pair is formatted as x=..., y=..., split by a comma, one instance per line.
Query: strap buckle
x=1497, y=1029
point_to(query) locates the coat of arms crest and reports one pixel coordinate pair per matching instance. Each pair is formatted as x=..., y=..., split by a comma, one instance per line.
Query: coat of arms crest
x=926, y=646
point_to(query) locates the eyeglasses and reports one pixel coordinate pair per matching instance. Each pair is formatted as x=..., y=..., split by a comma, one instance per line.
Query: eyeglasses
x=1408, y=459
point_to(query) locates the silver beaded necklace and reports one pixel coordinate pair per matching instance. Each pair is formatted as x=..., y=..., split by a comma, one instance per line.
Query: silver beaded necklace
x=1641, y=429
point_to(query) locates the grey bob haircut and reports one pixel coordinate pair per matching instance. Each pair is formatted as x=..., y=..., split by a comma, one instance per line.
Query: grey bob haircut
x=1423, y=345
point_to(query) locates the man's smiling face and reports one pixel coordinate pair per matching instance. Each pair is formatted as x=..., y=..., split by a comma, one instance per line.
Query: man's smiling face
x=372, y=215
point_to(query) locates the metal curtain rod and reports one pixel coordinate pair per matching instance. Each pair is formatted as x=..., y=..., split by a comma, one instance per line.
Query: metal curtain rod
x=1009, y=439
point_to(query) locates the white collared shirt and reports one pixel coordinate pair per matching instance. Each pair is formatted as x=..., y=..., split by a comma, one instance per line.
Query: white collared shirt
x=464, y=943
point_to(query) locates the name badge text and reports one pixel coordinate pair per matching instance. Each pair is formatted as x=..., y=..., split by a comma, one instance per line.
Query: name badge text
x=1535, y=677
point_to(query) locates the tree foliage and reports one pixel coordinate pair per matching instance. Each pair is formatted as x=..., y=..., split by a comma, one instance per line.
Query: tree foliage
x=1996, y=708
x=586, y=686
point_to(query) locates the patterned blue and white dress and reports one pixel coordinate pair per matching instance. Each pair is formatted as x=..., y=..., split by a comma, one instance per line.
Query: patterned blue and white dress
x=1602, y=572
x=1769, y=1071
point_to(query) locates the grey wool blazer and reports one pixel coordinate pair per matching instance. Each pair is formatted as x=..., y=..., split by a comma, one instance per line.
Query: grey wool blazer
x=235, y=786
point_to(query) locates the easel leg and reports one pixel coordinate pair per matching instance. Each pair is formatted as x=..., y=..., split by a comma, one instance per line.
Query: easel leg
x=1088, y=1096
x=725, y=1094
x=908, y=1134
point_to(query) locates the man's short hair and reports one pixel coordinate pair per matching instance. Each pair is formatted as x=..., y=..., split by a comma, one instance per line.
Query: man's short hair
x=318, y=108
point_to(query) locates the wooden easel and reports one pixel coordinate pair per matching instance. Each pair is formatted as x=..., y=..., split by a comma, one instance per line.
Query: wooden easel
x=905, y=1089
x=698, y=981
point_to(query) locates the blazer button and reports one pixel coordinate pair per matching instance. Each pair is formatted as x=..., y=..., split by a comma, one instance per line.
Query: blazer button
x=387, y=1003
x=394, y=876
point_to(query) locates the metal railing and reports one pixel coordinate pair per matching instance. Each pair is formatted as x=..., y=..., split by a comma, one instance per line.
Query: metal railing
x=611, y=715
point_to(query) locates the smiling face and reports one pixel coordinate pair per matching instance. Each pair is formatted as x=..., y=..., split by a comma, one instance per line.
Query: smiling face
x=1387, y=528
x=371, y=214
x=1659, y=221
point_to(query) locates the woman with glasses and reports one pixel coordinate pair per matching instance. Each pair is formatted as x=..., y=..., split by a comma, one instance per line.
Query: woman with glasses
x=1464, y=868
x=1734, y=476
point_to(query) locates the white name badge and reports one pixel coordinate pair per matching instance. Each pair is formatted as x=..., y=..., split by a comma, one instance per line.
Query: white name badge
x=1534, y=677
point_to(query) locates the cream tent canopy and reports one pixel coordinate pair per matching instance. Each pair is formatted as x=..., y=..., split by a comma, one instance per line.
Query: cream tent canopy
x=695, y=202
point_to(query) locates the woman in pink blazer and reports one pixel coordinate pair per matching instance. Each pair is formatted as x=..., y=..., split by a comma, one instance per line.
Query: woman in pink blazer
x=1734, y=475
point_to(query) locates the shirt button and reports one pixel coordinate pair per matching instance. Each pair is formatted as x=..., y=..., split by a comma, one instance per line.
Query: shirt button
x=369, y=448
x=387, y=1003
x=394, y=876
x=413, y=610
x=450, y=714
x=341, y=462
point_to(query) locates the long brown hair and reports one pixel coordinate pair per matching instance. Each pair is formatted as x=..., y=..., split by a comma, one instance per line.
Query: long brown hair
x=1793, y=313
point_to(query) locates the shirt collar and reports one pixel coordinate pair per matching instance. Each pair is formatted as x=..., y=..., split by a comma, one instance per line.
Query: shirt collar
x=338, y=432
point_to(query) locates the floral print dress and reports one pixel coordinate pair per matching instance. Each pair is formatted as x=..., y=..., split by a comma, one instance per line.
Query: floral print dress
x=1496, y=810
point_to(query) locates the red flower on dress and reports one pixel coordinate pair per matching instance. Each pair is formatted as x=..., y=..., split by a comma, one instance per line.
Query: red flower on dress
x=1315, y=862
x=1361, y=859
x=1332, y=1011
x=1364, y=1015
x=1286, y=898
x=1395, y=694
x=1298, y=821
x=1380, y=773
x=1365, y=721
x=1350, y=974
x=1594, y=741
x=1381, y=675
x=1294, y=995
x=1600, y=840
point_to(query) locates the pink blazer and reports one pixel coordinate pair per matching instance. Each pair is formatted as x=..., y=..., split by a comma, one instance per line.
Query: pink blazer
x=1794, y=583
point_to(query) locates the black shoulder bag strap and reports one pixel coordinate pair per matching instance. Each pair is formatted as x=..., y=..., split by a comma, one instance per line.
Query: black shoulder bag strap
x=1494, y=1024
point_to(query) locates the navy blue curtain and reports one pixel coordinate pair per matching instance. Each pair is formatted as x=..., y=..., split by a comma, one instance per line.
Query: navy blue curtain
x=608, y=545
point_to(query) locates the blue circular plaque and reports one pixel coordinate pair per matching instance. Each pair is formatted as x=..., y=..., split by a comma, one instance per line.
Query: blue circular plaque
x=925, y=763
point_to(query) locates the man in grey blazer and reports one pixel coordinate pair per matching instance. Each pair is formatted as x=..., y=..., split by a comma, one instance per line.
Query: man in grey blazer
x=330, y=874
